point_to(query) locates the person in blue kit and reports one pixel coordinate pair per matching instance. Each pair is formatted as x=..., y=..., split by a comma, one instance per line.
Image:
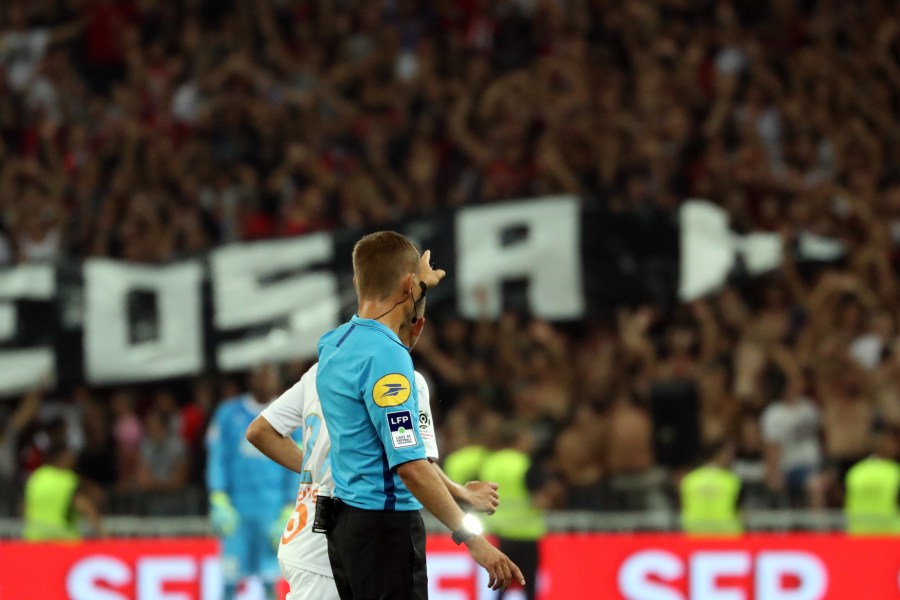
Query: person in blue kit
x=250, y=497
x=376, y=538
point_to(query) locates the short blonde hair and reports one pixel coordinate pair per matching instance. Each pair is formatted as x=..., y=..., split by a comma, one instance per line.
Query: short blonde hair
x=380, y=259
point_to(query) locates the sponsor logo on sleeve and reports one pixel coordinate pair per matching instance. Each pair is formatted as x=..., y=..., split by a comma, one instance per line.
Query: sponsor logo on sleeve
x=425, y=425
x=403, y=434
x=424, y=419
x=391, y=390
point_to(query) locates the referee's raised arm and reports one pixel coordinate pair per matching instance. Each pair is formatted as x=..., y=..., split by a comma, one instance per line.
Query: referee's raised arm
x=376, y=540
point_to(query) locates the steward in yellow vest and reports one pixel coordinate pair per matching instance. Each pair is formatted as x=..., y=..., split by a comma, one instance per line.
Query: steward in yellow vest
x=517, y=523
x=872, y=489
x=53, y=501
x=464, y=465
x=710, y=496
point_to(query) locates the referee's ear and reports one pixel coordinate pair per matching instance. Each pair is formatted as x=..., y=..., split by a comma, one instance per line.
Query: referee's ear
x=415, y=331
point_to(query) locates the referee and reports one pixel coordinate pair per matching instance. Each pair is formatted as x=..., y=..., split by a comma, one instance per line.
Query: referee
x=376, y=541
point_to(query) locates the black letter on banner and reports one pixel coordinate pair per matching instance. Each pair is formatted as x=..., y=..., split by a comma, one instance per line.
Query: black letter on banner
x=23, y=367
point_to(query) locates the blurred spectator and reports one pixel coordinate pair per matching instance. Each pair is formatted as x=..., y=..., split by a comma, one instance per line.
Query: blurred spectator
x=749, y=463
x=13, y=426
x=55, y=498
x=164, y=462
x=791, y=430
x=127, y=433
x=710, y=495
x=518, y=521
x=578, y=456
x=873, y=487
x=97, y=460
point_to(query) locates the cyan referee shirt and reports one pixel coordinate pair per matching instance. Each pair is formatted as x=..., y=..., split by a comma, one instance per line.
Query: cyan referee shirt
x=371, y=408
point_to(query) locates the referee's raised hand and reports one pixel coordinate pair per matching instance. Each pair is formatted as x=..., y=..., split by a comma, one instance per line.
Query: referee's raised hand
x=501, y=570
x=428, y=274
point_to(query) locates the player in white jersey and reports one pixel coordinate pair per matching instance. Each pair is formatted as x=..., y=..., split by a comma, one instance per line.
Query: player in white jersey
x=303, y=555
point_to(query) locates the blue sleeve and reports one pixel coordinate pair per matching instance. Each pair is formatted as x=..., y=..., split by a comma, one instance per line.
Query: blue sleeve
x=393, y=405
x=217, y=454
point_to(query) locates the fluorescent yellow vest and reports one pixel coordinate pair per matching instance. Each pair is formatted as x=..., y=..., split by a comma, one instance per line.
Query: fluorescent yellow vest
x=709, y=498
x=871, y=502
x=463, y=465
x=516, y=518
x=48, y=505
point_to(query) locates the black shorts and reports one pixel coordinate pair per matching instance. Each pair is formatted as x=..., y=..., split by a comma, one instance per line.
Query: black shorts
x=378, y=554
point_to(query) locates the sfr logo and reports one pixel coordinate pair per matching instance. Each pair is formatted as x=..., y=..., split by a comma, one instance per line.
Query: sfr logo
x=723, y=575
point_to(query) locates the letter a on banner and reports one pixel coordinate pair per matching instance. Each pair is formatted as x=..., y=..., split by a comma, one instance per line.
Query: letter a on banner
x=547, y=254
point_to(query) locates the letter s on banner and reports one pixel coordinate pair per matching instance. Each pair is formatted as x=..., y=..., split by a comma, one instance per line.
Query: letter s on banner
x=111, y=356
x=772, y=566
x=307, y=302
x=85, y=579
x=549, y=256
x=634, y=575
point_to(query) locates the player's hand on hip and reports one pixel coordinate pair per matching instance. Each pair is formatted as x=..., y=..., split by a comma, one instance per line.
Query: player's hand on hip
x=483, y=496
x=427, y=274
x=501, y=571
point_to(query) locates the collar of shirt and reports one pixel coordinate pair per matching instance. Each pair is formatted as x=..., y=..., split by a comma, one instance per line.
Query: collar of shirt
x=357, y=320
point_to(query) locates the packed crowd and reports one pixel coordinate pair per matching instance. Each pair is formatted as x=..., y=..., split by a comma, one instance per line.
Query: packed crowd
x=146, y=130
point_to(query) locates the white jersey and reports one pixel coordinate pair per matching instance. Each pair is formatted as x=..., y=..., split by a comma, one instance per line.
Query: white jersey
x=299, y=407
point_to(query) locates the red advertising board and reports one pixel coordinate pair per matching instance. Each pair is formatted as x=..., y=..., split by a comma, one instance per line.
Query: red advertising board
x=573, y=567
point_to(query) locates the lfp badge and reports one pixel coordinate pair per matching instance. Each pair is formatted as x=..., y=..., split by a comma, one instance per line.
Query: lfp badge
x=403, y=433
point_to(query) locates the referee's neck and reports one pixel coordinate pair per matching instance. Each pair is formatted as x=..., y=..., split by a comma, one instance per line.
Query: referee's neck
x=383, y=312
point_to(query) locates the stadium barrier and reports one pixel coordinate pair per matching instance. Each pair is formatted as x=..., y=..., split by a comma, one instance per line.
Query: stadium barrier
x=574, y=566
x=557, y=521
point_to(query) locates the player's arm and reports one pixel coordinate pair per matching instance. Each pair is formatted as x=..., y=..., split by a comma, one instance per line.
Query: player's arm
x=281, y=449
x=271, y=431
x=480, y=496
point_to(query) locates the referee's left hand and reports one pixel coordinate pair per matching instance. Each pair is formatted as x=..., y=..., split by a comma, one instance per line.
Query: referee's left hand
x=482, y=496
x=500, y=569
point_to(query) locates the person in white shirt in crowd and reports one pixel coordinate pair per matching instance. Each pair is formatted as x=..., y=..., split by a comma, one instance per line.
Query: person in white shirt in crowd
x=793, y=451
x=303, y=554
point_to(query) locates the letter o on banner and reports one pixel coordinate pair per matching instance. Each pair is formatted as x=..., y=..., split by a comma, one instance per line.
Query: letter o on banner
x=110, y=354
